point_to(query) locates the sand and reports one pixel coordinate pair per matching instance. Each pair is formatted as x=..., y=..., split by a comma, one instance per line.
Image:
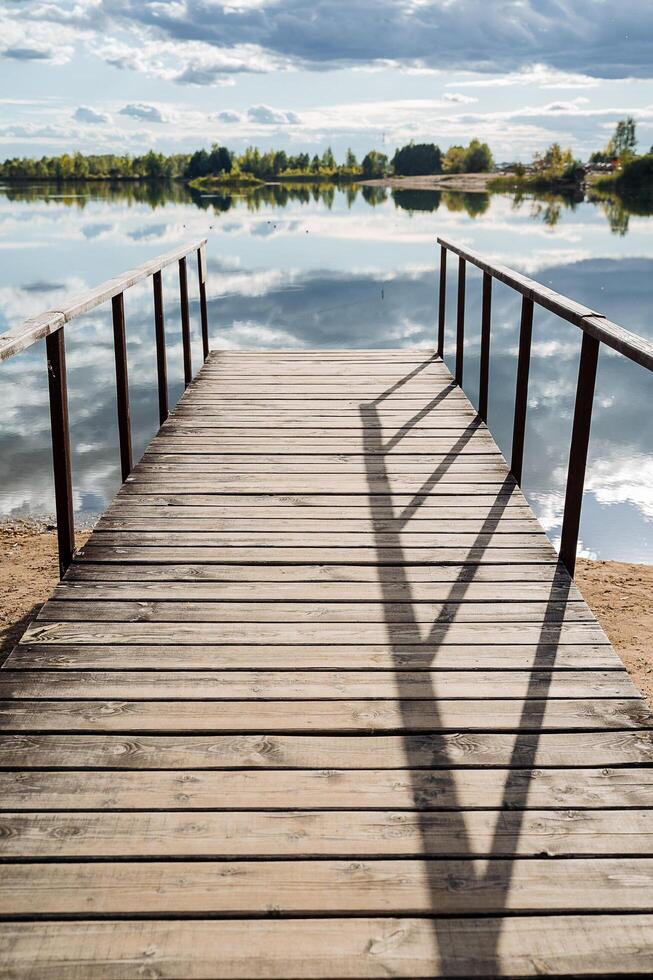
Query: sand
x=620, y=595
x=29, y=571
x=470, y=183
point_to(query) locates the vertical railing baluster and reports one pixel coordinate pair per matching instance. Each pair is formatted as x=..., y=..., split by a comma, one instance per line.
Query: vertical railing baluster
x=160, y=337
x=204, y=317
x=484, y=371
x=60, y=431
x=580, y=437
x=521, y=390
x=460, y=322
x=185, y=321
x=442, y=301
x=122, y=384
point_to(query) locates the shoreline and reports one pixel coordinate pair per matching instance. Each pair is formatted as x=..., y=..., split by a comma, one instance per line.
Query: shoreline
x=619, y=594
x=470, y=183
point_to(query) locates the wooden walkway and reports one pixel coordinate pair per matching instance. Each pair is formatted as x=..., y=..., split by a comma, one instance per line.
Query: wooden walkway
x=317, y=701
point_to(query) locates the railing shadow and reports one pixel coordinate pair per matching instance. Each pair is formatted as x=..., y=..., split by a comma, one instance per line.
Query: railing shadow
x=396, y=587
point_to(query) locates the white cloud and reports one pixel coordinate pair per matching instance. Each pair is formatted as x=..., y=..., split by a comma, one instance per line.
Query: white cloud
x=146, y=113
x=228, y=117
x=267, y=116
x=459, y=98
x=540, y=76
x=557, y=45
x=85, y=114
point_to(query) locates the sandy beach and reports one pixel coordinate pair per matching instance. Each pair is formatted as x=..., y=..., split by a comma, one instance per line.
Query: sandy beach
x=434, y=182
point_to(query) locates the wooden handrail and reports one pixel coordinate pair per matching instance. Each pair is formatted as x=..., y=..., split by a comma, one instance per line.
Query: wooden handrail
x=50, y=326
x=596, y=330
x=41, y=326
x=631, y=345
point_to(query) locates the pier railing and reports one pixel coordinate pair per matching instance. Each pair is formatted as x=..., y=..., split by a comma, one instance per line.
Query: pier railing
x=596, y=330
x=50, y=326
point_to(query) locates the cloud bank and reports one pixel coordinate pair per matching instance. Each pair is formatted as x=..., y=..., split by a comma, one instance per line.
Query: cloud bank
x=202, y=42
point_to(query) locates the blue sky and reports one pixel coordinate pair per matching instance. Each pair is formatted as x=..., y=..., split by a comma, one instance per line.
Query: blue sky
x=127, y=75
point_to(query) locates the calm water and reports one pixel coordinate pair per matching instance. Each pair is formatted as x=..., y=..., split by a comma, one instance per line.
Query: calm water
x=331, y=268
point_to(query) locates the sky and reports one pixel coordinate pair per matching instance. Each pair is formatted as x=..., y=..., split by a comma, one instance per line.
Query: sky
x=175, y=75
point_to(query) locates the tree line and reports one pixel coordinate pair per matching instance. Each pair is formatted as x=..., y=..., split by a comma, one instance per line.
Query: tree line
x=254, y=164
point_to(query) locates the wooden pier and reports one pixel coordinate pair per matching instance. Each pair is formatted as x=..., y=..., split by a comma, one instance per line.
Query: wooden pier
x=318, y=700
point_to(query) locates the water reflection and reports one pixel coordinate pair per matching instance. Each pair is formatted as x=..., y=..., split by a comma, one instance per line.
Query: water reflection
x=301, y=265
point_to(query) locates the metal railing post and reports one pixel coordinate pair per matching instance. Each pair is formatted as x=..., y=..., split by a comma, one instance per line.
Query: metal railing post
x=442, y=301
x=122, y=384
x=580, y=436
x=60, y=432
x=160, y=337
x=521, y=389
x=185, y=321
x=204, y=317
x=460, y=322
x=484, y=370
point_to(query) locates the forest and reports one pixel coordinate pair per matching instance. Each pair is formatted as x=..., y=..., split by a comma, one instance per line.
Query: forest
x=251, y=166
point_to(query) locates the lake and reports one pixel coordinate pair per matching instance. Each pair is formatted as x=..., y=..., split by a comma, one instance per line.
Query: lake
x=324, y=267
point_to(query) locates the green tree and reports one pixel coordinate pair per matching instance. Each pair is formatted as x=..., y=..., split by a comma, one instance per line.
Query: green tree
x=351, y=163
x=375, y=165
x=328, y=161
x=219, y=160
x=478, y=158
x=417, y=159
x=454, y=160
x=555, y=161
x=625, y=138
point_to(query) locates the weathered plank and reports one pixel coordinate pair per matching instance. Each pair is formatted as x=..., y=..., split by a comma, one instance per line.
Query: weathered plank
x=216, y=656
x=97, y=550
x=569, y=945
x=252, y=634
x=426, y=751
x=389, y=612
x=287, y=685
x=307, y=887
x=365, y=833
x=340, y=789
x=43, y=714
x=324, y=591
x=553, y=575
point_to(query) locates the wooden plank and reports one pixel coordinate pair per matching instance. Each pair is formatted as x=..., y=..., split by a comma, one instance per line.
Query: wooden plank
x=403, y=507
x=410, y=751
x=162, y=521
x=363, y=833
x=419, y=715
x=276, y=611
x=302, y=518
x=343, y=789
x=216, y=656
x=345, y=685
x=328, y=634
x=305, y=572
x=207, y=463
x=324, y=591
x=426, y=503
x=414, y=540
x=307, y=887
x=126, y=553
x=239, y=949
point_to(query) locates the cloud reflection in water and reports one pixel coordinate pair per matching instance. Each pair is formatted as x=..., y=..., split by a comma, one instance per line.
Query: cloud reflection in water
x=328, y=267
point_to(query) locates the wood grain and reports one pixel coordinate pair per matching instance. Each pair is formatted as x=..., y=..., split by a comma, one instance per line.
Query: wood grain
x=317, y=700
